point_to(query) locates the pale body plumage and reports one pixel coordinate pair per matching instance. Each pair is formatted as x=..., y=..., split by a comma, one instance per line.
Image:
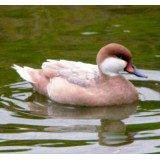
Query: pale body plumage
x=78, y=83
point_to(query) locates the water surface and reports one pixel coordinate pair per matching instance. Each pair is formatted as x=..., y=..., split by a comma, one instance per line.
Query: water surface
x=31, y=123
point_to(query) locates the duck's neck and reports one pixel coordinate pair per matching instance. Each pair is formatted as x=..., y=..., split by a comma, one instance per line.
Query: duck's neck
x=103, y=78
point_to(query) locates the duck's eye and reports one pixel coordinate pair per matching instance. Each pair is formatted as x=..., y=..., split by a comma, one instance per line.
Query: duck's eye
x=119, y=56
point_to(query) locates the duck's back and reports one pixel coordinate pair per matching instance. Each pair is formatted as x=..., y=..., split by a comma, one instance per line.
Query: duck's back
x=82, y=74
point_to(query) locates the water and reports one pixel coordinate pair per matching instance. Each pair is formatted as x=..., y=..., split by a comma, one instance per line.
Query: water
x=31, y=123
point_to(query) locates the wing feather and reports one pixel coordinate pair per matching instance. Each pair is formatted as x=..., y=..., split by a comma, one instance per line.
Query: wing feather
x=79, y=73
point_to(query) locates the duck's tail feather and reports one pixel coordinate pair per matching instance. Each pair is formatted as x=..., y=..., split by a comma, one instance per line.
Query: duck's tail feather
x=24, y=72
x=35, y=76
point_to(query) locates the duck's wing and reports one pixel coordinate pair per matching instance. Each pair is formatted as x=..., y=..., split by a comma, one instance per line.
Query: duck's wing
x=82, y=74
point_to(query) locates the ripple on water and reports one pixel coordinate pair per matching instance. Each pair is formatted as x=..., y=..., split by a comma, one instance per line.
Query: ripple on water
x=34, y=124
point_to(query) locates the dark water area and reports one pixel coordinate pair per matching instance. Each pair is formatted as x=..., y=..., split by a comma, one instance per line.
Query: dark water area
x=31, y=123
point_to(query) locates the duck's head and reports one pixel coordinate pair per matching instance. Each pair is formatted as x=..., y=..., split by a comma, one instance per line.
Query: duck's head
x=114, y=58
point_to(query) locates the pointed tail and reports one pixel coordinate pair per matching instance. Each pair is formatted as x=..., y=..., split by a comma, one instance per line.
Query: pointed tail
x=24, y=72
x=35, y=76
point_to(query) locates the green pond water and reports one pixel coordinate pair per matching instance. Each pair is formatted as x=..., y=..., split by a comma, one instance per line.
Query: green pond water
x=31, y=123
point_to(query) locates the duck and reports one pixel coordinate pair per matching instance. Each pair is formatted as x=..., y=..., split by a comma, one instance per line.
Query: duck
x=83, y=84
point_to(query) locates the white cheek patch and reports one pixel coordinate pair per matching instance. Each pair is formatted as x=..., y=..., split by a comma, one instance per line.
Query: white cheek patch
x=112, y=66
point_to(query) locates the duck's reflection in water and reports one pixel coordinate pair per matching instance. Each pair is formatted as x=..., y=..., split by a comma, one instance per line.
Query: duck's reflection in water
x=78, y=112
x=111, y=131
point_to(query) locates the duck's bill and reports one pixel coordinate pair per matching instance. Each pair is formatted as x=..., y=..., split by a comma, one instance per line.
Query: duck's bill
x=133, y=70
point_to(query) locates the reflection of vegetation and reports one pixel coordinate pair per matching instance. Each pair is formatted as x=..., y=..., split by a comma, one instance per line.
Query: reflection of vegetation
x=31, y=34
x=149, y=106
x=38, y=31
x=19, y=128
x=47, y=142
x=143, y=127
x=14, y=150
x=149, y=84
